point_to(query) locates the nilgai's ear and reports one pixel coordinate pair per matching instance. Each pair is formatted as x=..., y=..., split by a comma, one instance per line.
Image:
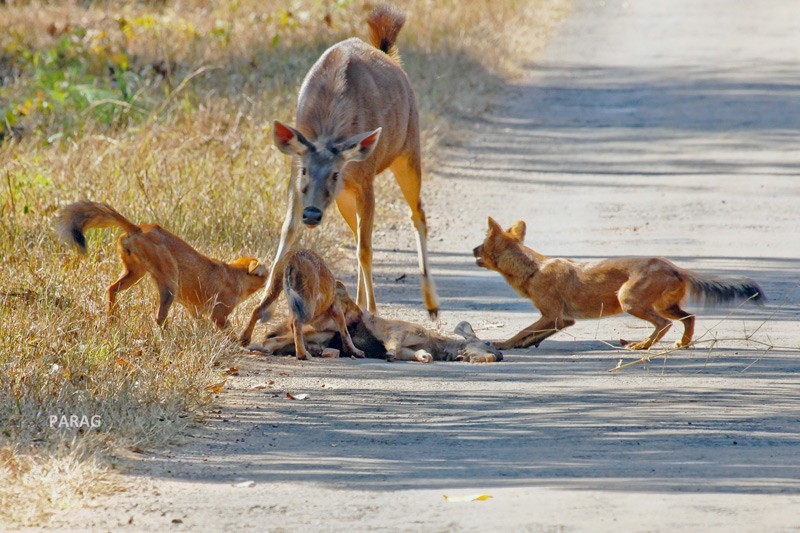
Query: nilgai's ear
x=359, y=147
x=465, y=330
x=518, y=230
x=289, y=140
x=494, y=227
x=257, y=269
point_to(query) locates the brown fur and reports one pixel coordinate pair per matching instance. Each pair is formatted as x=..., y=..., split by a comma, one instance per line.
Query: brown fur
x=311, y=291
x=563, y=290
x=179, y=271
x=393, y=340
x=356, y=117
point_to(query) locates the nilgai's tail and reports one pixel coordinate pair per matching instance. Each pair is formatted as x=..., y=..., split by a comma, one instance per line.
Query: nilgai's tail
x=713, y=291
x=73, y=221
x=292, y=278
x=384, y=25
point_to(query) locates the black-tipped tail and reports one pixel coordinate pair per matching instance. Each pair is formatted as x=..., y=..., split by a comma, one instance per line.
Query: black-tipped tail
x=717, y=291
x=292, y=279
x=384, y=25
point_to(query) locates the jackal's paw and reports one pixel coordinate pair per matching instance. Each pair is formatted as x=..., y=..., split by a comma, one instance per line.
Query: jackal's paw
x=391, y=357
x=643, y=345
x=359, y=354
x=301, y=356
x=681, y=344
x=423, y=357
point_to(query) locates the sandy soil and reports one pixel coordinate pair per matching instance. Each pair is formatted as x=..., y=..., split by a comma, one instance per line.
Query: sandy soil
x=646, y=128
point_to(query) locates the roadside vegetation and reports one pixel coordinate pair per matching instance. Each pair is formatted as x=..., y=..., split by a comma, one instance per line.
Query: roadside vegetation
x=164, y=110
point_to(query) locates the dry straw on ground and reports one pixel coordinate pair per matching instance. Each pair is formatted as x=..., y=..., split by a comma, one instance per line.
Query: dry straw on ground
x=163, y=109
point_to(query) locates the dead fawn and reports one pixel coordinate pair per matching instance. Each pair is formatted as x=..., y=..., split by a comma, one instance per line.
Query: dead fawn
x=180, y=272
x=393, y=340
x=356, y=117
x=311, y=292
x=650, y=288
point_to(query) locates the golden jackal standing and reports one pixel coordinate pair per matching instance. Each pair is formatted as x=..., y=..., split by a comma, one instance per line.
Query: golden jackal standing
x=179, y=271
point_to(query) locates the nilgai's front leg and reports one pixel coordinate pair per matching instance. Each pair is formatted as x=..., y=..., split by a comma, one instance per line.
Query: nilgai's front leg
x=407, y=171
x=534, y=334
x=346, y=204
x=288, y=236
x=365, y=209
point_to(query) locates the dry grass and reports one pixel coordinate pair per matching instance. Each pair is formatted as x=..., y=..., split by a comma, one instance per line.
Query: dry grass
x=162, y=110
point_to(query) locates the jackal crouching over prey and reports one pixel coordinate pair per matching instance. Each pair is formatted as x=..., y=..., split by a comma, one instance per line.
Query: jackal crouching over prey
x=393, y=340
x=179, y=271
x=649, y=288
x=311, y=291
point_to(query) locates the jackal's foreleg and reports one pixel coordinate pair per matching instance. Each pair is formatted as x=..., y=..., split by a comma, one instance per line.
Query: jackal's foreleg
x=534, y=334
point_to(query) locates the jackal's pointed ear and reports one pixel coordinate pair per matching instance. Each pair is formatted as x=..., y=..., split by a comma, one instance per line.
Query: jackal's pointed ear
x=465, y=330
x=289, y=140
x=359, y=147
x=518, y=230
x=494, y=227
x=256, y=269
x=341, y=290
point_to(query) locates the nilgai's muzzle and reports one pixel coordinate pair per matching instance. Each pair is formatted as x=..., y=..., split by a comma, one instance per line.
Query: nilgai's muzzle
x=312, y=216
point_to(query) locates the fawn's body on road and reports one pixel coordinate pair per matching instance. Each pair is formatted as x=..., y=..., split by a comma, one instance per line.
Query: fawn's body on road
x=202, y=284
x=650, y=288
x=356, y=117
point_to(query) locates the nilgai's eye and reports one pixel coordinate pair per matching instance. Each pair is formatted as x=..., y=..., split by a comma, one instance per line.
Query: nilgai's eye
x=303, y=171
x=335, y=176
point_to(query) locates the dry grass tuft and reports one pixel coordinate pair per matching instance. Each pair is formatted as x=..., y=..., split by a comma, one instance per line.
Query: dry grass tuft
x=163, y=109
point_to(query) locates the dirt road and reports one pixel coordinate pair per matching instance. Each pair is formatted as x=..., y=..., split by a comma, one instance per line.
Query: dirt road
x=663, y=128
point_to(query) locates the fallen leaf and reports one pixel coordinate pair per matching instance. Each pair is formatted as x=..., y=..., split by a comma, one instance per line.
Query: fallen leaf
x=232, y=371
x=216, y=388
x=245, y=484
x=297, y=396
x=467, y=498
x=258, y=386
x=121, y=362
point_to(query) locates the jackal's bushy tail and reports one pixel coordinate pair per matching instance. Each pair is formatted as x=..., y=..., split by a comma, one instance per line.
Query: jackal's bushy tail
x=713, y=291
x=384, y=25
x=73, y=221
x=291, y=280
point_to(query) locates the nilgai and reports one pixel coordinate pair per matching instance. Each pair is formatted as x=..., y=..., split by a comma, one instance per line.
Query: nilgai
x=356, y=117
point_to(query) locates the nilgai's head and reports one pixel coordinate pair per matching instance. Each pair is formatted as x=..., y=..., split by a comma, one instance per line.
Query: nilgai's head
x=474, y=349
x=321, y=164
x=496, y=242
x=255, y=274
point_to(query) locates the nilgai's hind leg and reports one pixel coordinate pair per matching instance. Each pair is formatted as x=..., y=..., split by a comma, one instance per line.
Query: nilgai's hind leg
x=534, y=334
x=676, y=313
x=407, y=171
